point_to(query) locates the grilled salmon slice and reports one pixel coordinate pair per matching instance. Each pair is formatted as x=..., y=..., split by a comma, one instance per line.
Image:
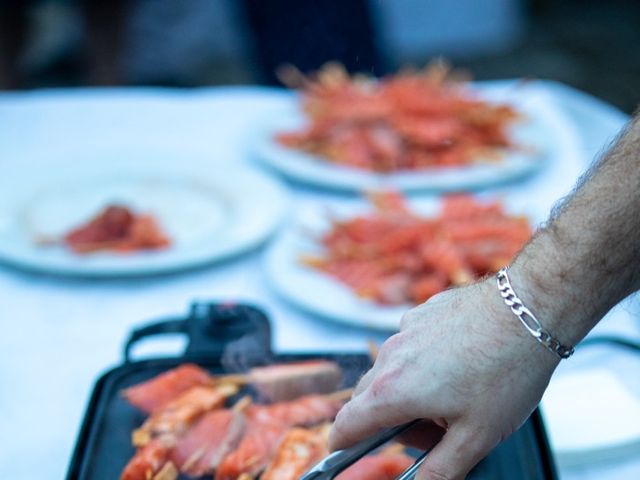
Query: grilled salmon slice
x=176, y=416
x=153, y=394
x=298, y=451
x=148, y=460
x=267, y=425
x=287, y=381
x=201, y=449
x=377, y=467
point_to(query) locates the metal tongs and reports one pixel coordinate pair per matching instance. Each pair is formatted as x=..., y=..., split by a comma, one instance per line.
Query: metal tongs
x=329, y=467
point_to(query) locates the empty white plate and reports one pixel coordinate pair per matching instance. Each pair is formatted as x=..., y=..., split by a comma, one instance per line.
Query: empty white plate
x=591, y=417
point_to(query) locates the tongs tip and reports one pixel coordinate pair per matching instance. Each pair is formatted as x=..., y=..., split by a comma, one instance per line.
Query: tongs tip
x=330, y=466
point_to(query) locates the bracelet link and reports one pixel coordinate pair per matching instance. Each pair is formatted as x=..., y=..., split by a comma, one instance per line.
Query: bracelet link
x=528, y=319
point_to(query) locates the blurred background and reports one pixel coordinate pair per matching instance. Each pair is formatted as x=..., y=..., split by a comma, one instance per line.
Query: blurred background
x=588, y=44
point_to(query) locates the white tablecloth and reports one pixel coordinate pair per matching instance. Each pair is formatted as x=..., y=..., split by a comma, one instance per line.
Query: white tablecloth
x=58, y=334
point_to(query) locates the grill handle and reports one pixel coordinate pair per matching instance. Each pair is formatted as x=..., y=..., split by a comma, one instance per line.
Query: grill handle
x=214, y=330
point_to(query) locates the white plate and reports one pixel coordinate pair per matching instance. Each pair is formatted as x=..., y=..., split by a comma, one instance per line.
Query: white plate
x=541, y=131
x=612, y=431
x=209, y=216
x=317, y=292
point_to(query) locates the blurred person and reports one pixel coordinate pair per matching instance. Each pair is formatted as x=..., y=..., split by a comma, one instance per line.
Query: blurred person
x=310, y=34
x=105, y=23
x=464, y=362
x=37, y=34
x=13, y=21
x=178, y=43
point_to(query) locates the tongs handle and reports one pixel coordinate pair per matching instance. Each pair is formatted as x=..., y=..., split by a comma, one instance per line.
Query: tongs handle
x=410, y=473
x=338, y=461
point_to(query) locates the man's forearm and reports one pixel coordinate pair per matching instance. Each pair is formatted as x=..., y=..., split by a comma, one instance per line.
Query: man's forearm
x=463, y=361
x=587, y=257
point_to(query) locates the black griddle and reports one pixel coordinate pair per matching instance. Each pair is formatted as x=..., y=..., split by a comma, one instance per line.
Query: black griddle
x=230, y=338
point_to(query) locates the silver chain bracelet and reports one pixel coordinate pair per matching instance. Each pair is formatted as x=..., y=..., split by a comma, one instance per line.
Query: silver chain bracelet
x=527, y=318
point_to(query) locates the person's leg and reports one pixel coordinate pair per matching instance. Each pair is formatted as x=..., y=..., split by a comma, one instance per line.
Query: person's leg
x=104, y=21
x=13, y=30
x=309, y=34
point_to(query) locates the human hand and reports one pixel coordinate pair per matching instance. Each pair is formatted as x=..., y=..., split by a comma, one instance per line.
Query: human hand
x=461, y=361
